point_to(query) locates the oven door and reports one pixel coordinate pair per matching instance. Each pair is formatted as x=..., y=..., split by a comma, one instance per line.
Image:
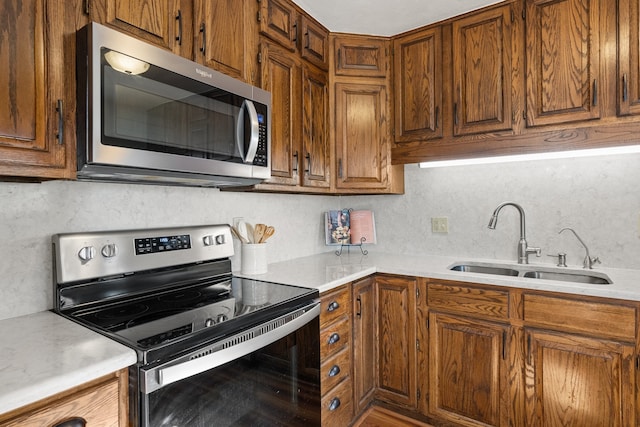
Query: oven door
x=268, y=375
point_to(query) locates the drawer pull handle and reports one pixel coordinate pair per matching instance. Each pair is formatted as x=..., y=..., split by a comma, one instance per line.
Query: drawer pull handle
x=333, y=306
x=335, y=370
x=334, y=338
x=335, y=404
x=73, y=422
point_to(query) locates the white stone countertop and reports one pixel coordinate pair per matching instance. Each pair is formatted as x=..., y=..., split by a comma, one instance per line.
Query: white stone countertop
x=43, y=354
x=327, y=271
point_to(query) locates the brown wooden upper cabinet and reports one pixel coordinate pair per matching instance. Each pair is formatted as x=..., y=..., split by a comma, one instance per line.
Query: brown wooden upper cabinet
x=299, y=121
x=37, y=135
x=482, y=72
x=164, y=23
x=225, y=38
x=283, y=23
x=418, y=85
x=563, y=61
x=361, y=56
x=220, y=34
x=279, y=21
x=362, y=136
x=628, y=57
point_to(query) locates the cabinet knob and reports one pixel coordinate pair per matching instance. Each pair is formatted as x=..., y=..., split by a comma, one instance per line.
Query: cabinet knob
x=335, y=370
x=334, y=338
x=335, y=404
x=333, y=306
x=73, y=422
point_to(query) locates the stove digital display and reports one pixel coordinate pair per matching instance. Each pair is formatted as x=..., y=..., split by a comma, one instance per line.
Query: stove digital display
x=150, y=245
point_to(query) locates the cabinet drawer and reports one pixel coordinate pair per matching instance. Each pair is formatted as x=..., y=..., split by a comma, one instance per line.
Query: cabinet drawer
x=334, y=305
x=98, y=405
x=337, y=406
x=591, y=317
x=334, y=337
x=334, y=370
x=457, y=297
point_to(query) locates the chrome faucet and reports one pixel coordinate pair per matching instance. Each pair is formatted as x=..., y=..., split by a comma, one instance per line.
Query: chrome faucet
x=588, y=260
x=523, y=248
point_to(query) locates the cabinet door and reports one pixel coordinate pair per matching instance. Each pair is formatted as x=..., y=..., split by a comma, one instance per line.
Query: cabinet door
x=629, y=56
x=364, y=343
x=482, y=72
x=563, y=61
x=225, y=42
x=315, y=134
x=278, y=20
x=314, y=45
x=361, y=56
x=164, y=23
x=396, y=315
x=579, y=381
x=362, y=136
x=281, y=75
x=418, y=86
x=36, y=139
x=467, y=370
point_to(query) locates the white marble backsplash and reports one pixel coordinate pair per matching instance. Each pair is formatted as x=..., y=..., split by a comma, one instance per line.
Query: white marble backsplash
x=596, y=196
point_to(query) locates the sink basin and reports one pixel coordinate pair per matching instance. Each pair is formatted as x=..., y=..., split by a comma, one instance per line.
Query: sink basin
x=485, y=269
x=592, y=279
x=533, y=272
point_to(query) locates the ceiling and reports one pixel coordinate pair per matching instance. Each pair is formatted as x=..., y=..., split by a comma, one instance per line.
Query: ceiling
x=385, y=17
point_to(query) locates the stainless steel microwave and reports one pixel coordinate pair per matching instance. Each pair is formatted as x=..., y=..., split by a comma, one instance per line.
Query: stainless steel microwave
x=147, y=115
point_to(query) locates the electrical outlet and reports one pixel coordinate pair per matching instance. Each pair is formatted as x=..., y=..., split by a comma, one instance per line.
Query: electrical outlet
x=440, y=224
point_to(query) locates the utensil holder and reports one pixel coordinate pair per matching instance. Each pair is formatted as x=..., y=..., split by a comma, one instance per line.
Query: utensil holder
x=254, y=258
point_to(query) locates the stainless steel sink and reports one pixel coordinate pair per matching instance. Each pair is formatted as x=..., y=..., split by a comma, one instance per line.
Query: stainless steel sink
x=484, y=269
x=589, y=278
x=532, y=272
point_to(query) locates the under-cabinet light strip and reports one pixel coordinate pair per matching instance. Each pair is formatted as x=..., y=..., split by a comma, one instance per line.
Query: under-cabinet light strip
x=535, y=156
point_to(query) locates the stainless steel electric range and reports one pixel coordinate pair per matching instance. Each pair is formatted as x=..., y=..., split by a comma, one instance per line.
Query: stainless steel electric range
x=212, y=349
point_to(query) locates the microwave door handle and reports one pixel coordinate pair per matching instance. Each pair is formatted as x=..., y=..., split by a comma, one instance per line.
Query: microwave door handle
x=171, y=374
x=249, y=108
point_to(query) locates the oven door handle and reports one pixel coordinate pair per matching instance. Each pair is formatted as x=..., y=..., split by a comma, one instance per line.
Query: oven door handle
x=180, y=371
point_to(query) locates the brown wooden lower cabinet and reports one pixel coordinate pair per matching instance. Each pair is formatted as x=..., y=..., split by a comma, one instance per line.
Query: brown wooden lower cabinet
x=99, y=403
x=466, y=354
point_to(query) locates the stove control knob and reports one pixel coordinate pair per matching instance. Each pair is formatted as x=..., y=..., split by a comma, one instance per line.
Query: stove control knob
x=208, y=240
x=87, y=253
x=221, y=318
x=209, y=323
x=110, y=250
x=220, y=240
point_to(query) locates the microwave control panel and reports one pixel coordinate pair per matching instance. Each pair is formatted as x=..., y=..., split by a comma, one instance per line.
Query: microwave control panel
x=261, y=158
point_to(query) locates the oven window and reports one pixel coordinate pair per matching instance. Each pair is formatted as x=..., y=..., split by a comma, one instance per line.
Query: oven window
x=276, y=385
x=160, y=111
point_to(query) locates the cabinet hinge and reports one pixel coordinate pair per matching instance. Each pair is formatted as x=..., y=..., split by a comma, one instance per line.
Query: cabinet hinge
x=524, y=13
x=513, y=18
x=86, y=6
x=258, y=16
x=418, y=345
x=427, y=323
x=524, y=115
x=419, y=395
x=259, y=57
x=417, y=292
x=638, y=363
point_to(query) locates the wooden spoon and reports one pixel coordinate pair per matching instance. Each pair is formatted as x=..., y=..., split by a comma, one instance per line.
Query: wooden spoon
x=259, y=232
x=237, y=235
x=268, y=232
